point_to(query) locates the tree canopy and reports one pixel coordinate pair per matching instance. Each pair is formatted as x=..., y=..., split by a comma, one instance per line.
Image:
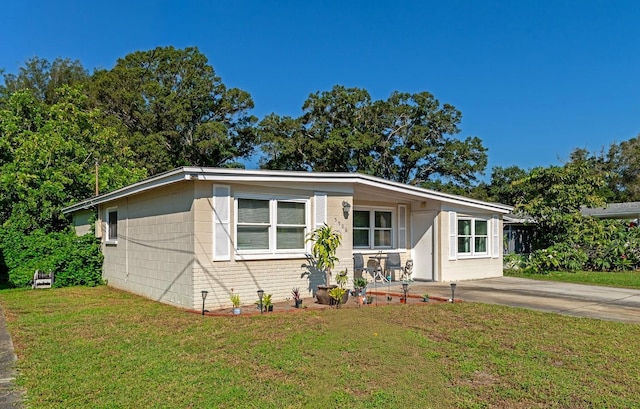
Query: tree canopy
x=408, y=138
x=47, y=156
x=43, y=78
x=176, y=110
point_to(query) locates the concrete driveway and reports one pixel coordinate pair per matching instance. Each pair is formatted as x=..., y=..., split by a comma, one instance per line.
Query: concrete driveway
x=607, y=303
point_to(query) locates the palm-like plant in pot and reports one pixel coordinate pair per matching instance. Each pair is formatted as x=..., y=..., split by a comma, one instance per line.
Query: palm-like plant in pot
x=325, y=245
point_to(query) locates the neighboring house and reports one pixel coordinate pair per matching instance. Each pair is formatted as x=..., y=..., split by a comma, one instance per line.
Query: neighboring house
x=627, y=211
x=518, y=234
x=518, y=230
x=192, y=229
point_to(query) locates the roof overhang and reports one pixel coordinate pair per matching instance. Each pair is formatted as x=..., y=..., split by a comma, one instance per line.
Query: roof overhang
x=270, y=176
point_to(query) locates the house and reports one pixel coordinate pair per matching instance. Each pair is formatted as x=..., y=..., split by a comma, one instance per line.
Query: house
x=626, y=211
x=197, y=229
x=518, y=234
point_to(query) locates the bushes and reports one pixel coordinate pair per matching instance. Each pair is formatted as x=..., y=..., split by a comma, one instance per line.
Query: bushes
x=74, y=260
x=594, y=245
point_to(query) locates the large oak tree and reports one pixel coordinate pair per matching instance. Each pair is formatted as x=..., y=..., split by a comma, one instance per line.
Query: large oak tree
x=408, y=138
x=176, y=110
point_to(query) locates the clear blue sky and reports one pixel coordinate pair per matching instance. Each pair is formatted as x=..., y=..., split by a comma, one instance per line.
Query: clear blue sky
x=533, y=79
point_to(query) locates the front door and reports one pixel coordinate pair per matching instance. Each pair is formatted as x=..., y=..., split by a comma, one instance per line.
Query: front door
x=422, y=245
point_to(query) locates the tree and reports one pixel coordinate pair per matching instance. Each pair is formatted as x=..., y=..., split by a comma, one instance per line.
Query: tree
x=176, y=110
x=407, y=138
x=500, y=188
x=624, y=160
x=47, y=156
x=553, y=196
x=43, y=78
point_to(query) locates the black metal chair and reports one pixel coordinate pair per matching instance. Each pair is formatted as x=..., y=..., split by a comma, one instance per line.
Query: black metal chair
x=392, y=263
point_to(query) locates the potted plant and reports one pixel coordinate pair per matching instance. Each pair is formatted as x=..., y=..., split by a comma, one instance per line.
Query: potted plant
x=337, y=295
x=425, y=297
x=266, y=302
x=235, y=300
x=325, y=244
x=360, y=288
x=297, y=298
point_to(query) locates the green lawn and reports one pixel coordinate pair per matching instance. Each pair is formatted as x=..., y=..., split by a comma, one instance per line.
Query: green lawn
x=625, y=279
x=102, y=348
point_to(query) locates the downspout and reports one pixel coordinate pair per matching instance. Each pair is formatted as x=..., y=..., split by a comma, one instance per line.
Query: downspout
x=126, y=241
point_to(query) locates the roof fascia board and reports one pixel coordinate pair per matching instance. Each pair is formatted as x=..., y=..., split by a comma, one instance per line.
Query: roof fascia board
x=154, y=182
x=243, y=175
x=432, y=194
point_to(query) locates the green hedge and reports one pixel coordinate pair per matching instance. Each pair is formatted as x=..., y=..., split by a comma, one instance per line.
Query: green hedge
x=74, y=260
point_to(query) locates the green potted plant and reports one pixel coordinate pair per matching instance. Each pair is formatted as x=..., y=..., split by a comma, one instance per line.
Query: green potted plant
x=297, y=298
x=266, y=302
x=235, y=300
x=325, y=245
x=360, y=288
x=337, y=295
x=425, y=297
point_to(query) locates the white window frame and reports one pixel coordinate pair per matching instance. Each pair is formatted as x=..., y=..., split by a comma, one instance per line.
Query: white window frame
x=107, y=219
x=271, y=251
x=472, y=237
x=372, y=228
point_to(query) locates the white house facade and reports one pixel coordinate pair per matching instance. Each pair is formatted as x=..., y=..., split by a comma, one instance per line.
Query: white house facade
x=221, y=230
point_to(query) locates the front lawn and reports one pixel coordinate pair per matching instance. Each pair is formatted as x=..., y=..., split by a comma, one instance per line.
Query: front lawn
x=624, y=279
x=102, y=348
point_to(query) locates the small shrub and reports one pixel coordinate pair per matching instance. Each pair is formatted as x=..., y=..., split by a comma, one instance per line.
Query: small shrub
x=513, y=262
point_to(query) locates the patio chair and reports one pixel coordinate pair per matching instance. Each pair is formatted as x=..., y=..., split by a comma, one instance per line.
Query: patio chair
x=407, y=271
x=42, y=280
x=359, y=267
x=392, y=263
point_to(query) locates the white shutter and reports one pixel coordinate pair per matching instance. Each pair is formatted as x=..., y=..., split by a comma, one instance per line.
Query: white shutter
x=453, y=236
x=320, y=209
x=402, y=227
x=221, y=222
x=495, y=231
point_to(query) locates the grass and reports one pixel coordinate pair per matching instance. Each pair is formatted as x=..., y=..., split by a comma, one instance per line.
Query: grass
x=623, y=279
x=102, y=348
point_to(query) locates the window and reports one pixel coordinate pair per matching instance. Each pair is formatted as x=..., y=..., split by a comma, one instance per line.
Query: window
x=473, y=237
x=271, y=225
x=373, y=229
x=112, y=225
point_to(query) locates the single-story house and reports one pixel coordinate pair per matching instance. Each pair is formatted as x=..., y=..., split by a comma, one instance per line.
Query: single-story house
x=518, y=234
x=197, y=229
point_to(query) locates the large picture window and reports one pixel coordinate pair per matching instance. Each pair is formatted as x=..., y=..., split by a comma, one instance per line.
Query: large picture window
x=473, y=237
x=373, y=229
x=269, y=225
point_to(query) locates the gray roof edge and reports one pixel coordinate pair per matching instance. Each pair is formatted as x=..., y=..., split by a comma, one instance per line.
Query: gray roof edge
x=206, y=173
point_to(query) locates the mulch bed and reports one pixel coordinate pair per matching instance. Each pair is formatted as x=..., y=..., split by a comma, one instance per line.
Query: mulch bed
x=379, y=298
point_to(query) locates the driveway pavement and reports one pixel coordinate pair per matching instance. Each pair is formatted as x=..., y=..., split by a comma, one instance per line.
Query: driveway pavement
x=607, y=303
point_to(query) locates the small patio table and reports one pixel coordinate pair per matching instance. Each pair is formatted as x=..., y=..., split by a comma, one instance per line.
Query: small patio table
x=379, y=272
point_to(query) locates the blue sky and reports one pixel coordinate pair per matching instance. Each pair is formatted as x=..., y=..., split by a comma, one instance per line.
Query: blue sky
x=533, y=79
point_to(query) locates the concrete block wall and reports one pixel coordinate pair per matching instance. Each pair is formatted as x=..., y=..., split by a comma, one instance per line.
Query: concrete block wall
x=154, y=253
